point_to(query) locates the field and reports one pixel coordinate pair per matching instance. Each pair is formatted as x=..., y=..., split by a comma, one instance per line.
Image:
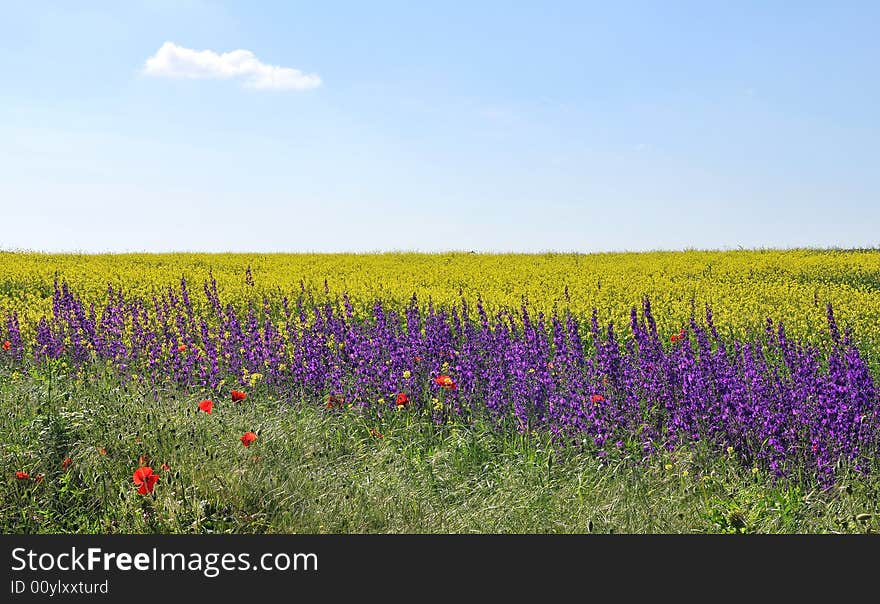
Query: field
x=744, y=288
x=659, y=392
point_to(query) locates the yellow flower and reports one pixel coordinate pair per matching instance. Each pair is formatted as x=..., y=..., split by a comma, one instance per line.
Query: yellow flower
x=685, y=473
x=668, y=466
x=437, y=404
x=754, y=470
x=407, y=374
x=381, y=401
x=730, y=450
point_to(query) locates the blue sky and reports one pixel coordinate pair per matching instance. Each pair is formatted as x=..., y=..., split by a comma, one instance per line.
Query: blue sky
x=494, y=126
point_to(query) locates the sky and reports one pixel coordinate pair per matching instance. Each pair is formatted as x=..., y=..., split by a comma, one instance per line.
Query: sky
x=190, y=125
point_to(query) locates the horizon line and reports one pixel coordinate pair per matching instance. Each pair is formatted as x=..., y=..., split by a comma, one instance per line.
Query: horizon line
x=402, y=252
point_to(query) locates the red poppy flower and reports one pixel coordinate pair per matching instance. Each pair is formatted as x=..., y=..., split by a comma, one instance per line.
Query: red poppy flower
x=206, y=406
x=248, y=438
x=166, y=467
x=401, y=400
x=22, y=475
x=597, y=398
x=145, y=479
x=38, y=478
x=66, y=463
x=445, y=382
x=7, y=345
x=375, y=433
x=418, y=359
x=328, y=404
x=102, y=451
x=238, y=395
x=181, y=348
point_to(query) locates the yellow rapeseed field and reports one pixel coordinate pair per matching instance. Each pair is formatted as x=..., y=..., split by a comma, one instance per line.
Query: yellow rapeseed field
x=743, y=287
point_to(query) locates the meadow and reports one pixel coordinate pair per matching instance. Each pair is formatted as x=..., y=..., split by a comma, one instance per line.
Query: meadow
x=656, y=392
x=743, y=288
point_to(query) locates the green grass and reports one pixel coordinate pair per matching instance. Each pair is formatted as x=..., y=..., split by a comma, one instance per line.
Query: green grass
x=318, y=471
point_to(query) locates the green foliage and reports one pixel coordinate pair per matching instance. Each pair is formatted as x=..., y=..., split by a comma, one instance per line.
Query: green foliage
x=313, y=470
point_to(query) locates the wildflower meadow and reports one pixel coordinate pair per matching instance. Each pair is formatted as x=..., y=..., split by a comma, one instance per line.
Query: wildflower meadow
x=664, y=392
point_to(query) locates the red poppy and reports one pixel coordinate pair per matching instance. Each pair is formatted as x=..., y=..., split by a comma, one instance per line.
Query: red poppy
x=38, y=478
x=66, y=463
x=22, y=475
x=102, y=450
x=7, y=345
x=238, y=395
x=206, y=406
x=597, y=398
x=181, y=348
x=418, y=359
x=248, y=438
x=401, y=400
x=375, y=433
x=445, y=382
x=328, y=404
x=145, y=479
x=166, y=467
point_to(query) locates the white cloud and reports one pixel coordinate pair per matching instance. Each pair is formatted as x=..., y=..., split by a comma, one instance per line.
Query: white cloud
x=175, y=61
